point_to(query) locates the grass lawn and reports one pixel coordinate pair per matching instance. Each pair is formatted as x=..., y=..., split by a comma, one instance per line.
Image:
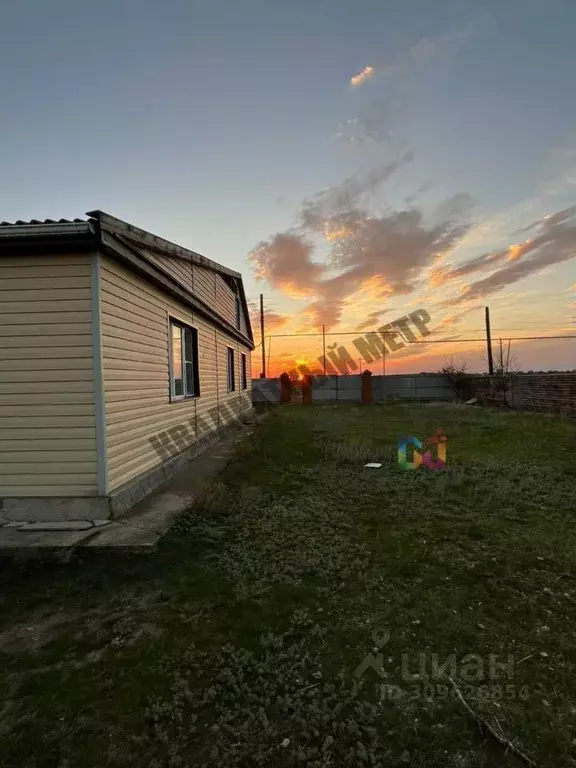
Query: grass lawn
x=308, y=611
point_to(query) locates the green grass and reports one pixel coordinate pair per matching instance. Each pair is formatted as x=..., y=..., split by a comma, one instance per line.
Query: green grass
x=237, y=643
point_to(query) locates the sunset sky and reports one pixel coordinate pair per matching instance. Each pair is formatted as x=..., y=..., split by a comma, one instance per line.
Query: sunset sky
x=355, y=161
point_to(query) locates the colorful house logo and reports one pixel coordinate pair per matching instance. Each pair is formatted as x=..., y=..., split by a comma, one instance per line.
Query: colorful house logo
x=422, y=457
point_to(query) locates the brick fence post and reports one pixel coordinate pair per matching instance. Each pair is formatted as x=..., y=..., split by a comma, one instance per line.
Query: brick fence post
x=285, y=388
x=307, y=390
x=367, y=394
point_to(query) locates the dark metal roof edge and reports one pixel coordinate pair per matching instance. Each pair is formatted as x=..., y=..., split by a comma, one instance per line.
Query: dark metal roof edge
x=154, y=242
x=22, y=223
x=46, y=230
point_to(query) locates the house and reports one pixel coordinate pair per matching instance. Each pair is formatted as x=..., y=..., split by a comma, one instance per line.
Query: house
x=122, y=355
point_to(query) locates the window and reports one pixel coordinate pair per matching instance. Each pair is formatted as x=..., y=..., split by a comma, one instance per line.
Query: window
x=183, y=362
x=230, y=370
x=243, y=372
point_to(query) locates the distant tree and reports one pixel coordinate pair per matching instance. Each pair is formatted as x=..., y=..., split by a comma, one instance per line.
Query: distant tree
x=456, y=373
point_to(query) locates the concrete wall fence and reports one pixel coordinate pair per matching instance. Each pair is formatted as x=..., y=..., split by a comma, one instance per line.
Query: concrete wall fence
x=348, y=389
x=548, y=392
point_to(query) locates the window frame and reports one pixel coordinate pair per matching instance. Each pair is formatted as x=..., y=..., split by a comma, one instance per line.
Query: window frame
x=230, y=369
x=174, y=322
x=243, y=371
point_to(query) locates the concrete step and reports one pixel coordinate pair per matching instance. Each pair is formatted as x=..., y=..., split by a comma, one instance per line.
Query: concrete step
x=60, y=525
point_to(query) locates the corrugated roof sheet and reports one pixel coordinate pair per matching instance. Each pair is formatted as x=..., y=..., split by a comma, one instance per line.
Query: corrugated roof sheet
x=38, y=221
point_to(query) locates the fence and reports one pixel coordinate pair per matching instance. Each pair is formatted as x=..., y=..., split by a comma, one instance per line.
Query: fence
x=550, y=392
x=334, y=389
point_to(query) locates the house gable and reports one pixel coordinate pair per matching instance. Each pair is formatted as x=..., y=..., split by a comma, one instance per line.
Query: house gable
x=220, y=289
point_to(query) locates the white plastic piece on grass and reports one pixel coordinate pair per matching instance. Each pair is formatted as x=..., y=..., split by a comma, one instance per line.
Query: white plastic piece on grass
x=372, y=465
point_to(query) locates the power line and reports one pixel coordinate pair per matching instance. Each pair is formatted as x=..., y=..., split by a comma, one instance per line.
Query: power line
x=395, y=333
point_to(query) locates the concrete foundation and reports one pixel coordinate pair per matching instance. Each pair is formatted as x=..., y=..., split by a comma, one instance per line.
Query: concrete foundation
x=54, y=509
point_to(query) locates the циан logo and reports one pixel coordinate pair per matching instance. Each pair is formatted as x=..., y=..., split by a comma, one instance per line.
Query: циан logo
x=423, y=458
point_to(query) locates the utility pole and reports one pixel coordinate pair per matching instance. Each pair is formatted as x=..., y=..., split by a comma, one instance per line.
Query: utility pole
x=263, y=374
x=383, y=353
x=489, y=342
x=324, y=347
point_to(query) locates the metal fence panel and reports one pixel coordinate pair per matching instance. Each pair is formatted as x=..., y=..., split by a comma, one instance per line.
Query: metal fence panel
x=333, y=389
x=325, y=389
x=265, y=390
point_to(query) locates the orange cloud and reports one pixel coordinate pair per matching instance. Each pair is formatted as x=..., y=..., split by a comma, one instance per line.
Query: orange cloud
x=332, y=232
x=438, y=276
x=362, y=76
x=294, y=291
x=554, y=243
x=285, y=262
x=373, y=288
x=273, y=321
x=516, y=252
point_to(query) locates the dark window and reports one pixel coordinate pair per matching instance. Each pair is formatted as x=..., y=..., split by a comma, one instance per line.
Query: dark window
x=183, y=361
x=230, y=370
x=243, y=372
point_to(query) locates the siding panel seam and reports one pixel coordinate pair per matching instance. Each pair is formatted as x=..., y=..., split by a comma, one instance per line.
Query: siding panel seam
x=99, y=412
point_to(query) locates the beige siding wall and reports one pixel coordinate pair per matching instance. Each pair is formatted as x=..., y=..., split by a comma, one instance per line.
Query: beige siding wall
x=142, y=426
x=180, y=270
x=225, y=300
x=243, y=324
x=209, y=286
x=47, y=413
x=205, y=285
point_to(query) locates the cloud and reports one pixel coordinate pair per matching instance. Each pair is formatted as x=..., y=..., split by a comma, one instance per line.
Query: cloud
x=448, y=323
x=419, y=54
x=384, y=253
x=371, y=320
x=553, y=243
x=334, y=210
x=362, y=76
x=285, y=262
x=273, y=321
x=440, y=275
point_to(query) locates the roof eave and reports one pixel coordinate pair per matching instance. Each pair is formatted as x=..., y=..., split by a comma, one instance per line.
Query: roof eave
x=45, y=239
x=26, y=231
x=159, y=244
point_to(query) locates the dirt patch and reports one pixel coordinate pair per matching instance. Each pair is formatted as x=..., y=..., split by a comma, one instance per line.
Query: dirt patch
x=119, y=617
x=39, y=630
